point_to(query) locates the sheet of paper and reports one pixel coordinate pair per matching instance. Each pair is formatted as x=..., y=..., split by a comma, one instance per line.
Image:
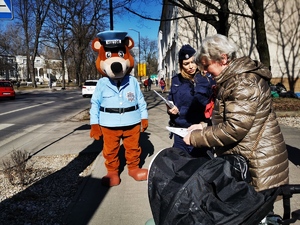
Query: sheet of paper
x=169, y=103
x=182, y=132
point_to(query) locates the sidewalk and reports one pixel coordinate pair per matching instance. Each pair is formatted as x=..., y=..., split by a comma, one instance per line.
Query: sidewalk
x=26, y=90
x=127, y=204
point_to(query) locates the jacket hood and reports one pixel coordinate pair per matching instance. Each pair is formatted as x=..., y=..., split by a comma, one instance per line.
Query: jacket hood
x=244, y=65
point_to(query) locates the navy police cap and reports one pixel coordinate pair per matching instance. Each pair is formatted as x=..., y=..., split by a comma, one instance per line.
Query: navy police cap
x=112, y=38
x=186, y=52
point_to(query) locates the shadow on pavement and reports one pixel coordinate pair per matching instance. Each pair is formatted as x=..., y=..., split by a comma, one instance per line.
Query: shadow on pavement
x=153, y=100
x=147, y=147
x=293, y=154
x=53, y=192
x=147, y=151
x=86, y=205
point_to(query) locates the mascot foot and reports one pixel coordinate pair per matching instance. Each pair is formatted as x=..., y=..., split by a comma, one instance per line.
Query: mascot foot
x=138, y=174
x=112, y=178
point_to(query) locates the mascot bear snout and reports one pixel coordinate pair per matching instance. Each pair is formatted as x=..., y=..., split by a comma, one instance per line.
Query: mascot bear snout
x=116, y=67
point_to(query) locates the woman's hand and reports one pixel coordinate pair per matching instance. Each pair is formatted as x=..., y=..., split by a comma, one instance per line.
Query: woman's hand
x=199, y=126
x=186, y=138
x=174, y=110
x=195, y=127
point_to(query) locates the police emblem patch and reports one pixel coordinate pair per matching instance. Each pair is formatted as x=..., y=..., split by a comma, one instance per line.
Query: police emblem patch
x=130, y=96
x=187, y=56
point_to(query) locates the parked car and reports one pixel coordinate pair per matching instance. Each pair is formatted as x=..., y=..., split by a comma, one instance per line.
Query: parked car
x=7, y=89
x=88, y=88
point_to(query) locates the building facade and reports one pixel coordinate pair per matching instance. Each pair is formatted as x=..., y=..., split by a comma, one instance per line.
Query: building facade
x=45, y=69
x=190, y=30
x=8, y=67
x=14, y=68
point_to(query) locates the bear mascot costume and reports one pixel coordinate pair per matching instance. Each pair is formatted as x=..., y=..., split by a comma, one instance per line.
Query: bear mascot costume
x=118, y=108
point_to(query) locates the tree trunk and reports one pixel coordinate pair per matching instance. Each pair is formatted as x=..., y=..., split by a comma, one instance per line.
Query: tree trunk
x=261, y=37
x=223, y=25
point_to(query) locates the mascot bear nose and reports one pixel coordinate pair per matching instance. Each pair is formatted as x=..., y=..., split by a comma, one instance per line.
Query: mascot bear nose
x=116, y=67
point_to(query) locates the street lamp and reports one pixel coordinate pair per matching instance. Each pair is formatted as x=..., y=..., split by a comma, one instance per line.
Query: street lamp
x=139, y=50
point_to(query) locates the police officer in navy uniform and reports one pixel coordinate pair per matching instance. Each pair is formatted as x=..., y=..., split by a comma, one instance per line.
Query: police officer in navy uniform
x=190, y=92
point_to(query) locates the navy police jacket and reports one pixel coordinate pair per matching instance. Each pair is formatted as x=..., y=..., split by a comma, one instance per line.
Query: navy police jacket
x=190, y=98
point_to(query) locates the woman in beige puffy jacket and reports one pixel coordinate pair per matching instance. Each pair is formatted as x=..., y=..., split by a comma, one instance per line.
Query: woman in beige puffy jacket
x=243, y=119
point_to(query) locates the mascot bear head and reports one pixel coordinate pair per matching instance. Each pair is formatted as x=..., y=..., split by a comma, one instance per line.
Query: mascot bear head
x=114, y=59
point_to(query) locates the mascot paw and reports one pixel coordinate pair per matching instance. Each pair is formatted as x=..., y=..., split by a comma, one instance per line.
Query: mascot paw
x=138, y=174
x=111, y=179
x=144, y=124
x=96, y=131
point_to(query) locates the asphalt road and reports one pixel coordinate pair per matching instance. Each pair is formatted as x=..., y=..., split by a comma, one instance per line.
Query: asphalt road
x=27, y=123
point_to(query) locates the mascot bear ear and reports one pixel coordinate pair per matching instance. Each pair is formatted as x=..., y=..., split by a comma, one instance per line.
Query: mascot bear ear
x=96, y=44
x=129, y=42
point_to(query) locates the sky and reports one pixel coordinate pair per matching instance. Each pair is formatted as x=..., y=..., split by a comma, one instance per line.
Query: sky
x=147, y=28
x=127, y=20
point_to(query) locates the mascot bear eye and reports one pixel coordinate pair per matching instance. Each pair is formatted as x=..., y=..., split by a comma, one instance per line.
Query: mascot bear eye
x=108, y=54
x=121, y=54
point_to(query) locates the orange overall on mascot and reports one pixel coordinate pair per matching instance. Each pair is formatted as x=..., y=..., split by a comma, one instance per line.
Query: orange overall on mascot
x=118, y=108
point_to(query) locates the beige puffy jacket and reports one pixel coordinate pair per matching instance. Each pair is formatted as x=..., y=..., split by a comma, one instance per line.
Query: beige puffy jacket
x=243, y=115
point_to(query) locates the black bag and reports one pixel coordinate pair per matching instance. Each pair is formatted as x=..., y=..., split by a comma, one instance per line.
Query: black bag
x=185, y=190
x=240, y=167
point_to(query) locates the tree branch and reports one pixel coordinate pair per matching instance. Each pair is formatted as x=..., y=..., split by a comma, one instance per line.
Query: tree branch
x=153, y=19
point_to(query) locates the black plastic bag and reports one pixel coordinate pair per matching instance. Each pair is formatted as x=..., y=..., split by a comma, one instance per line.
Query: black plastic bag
x=185, y=190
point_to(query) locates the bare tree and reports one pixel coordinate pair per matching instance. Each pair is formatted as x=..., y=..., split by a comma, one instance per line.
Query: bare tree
x=258, y=12
x=69, y=26
x=23, y=13
x=31, y=14
x=198, y=28
x=242, y=31
x=217, y=14
x=149, y=55
x=88, y=17
x=14, y=46
x=56, y=33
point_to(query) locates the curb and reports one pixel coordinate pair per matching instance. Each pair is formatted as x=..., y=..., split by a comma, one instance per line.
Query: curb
x=53, y=89
x=287, y=113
